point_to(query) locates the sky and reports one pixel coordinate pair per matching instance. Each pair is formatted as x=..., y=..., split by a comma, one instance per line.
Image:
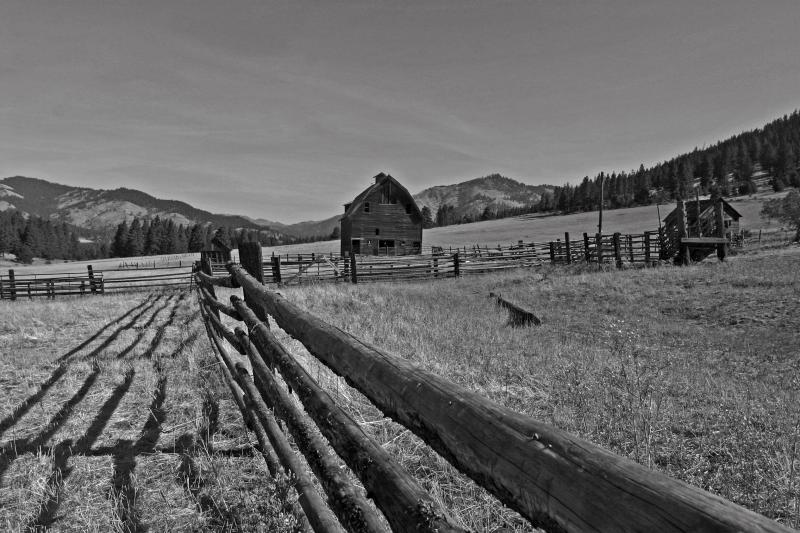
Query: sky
x=284, y=110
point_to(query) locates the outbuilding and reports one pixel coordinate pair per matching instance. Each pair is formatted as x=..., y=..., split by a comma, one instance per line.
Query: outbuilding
x=383, y=220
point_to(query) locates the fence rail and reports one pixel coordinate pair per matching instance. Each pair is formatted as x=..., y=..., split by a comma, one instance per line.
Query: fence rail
x=14, y=286
x=551, y=478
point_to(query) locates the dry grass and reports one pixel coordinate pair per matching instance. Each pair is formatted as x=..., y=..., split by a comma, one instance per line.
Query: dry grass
x=689, y=371
x=112, y=418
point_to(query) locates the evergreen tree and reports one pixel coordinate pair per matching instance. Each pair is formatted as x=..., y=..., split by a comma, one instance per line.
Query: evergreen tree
x=135, y=245
x=119, y=246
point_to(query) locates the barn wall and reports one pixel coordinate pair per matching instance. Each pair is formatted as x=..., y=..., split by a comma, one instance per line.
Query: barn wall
x=391, y=221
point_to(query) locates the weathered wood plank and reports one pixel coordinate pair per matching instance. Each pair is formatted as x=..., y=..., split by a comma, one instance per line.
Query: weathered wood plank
x=552, y=478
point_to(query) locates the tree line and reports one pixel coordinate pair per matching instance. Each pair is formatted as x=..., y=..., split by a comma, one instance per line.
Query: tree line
x=727, y=167
x=34, y=236
x=160, y=237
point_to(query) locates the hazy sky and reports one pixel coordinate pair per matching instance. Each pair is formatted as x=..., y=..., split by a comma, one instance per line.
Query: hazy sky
x=284, y=110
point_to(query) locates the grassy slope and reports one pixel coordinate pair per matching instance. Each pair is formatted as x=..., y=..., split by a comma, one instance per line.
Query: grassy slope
x=690, y=371
x=139, y=374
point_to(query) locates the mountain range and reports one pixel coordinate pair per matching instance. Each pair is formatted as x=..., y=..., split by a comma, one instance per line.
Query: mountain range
x=99, y=211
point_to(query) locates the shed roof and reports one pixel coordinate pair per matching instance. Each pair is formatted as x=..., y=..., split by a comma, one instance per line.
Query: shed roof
x=691, y=210
x=379, y=181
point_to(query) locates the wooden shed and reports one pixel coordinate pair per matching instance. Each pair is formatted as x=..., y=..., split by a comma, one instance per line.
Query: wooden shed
x=695, y=228
x=383, y=220
x=701, y=220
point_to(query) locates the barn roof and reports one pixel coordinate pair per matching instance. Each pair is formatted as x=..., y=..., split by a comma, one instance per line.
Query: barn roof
x=705, y=205
x=378, y=181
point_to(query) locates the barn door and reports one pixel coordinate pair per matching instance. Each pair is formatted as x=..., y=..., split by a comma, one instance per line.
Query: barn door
x=355, y=246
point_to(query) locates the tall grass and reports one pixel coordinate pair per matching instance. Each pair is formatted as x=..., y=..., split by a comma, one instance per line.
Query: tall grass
x=690, y=371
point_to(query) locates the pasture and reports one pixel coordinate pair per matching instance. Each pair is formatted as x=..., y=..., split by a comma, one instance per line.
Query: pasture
x=113, y=418
x=114, y=415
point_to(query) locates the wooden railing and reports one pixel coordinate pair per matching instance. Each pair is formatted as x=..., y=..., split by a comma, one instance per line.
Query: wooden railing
x=550, y=477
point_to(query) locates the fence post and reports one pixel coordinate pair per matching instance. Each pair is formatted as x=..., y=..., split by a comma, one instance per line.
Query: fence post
x=251, y=259
x=276, y=268
x=30, y=297
x=719, y=219
x=647, y=248
x=456, y=265
x=552, y=252
x=91, y=279
x=587, y=252
x=12, y=285
x=599, y=243
x=435, y=267
x=353, y=273
x=617, y=250
x=630, y=246
x=567, y=247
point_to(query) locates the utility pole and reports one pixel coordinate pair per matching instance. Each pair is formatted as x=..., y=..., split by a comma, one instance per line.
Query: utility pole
x=600, y=223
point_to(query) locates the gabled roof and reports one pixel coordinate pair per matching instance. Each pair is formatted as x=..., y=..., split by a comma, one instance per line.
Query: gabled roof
x=705, y=205
x=379, y=181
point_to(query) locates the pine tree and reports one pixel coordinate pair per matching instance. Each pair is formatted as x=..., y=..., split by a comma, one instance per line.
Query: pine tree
x=119, y=246
x=135, y=245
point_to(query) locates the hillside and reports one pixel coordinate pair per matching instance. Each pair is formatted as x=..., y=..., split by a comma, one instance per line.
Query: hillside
x=305, y=229
x=470, y=199
x=100, y=211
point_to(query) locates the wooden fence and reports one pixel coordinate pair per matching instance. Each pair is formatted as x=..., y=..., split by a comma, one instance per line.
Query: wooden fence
x=551, y=478
x=94, y=282
x=619, y=249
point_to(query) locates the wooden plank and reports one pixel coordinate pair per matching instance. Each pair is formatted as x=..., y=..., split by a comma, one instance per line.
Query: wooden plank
x=703, y=240
x=552, y=478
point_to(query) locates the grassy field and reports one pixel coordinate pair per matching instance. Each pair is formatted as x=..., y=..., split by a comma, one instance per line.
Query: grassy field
x=113, y=418
x=689, y=371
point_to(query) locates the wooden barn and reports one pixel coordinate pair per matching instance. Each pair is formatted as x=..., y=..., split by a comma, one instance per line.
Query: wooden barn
x=695, y=228
x=383, y=220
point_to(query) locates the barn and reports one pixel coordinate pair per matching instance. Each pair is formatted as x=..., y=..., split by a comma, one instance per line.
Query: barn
x=383, y=220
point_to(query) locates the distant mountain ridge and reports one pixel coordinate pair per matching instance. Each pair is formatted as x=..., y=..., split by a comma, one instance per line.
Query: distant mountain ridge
x=471, y=198
x=100, y=211
x=468, y=199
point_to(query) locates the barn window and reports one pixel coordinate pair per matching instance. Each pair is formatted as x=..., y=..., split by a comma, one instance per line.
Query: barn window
x=377, y=231
x=388, y=243
x=366, y=207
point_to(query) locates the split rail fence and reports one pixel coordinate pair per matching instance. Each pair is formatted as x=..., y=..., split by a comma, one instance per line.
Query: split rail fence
x=94, y=282
x=553, y=479
x=643, y=249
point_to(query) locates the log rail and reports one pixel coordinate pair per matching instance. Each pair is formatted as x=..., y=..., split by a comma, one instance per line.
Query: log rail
x=553, y=479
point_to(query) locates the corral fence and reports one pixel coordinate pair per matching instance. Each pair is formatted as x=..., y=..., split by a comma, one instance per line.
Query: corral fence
x=93, y=282
x=553, y=479
x=645, y=249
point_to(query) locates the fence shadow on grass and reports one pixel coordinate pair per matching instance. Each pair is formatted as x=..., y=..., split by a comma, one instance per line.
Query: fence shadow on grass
x=61, y=470
x=23, y=407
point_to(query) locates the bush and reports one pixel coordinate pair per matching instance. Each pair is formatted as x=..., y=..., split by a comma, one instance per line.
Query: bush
x=24, y=255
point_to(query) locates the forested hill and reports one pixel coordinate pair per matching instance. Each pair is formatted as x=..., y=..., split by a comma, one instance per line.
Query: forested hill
x=764, y=157
x=102, y=210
